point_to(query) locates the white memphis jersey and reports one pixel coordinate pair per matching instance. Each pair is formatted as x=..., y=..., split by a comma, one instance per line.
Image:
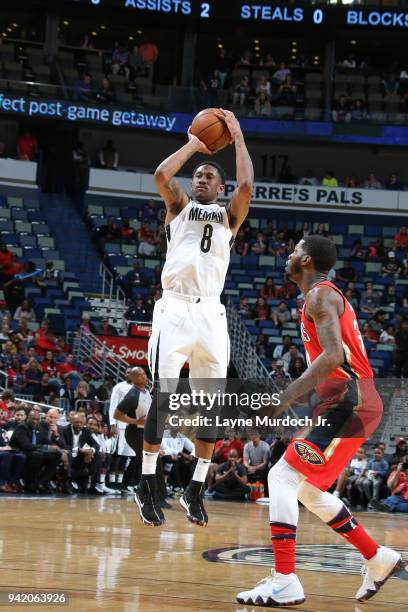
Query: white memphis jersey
x=199, y=240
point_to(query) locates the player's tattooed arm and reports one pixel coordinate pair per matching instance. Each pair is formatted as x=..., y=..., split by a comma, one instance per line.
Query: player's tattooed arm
x=239, y=204
x=324, y=306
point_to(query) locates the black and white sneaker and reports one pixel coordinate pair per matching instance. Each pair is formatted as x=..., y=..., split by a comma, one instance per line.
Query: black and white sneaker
x=194, y=506
x=145, y=498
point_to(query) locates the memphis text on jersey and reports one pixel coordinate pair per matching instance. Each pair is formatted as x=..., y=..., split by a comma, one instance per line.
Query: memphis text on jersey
x=256, y=421
x=198, y=214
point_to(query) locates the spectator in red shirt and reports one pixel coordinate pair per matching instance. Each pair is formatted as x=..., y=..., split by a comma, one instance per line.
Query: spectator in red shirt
x=401, y=238
x=127, y=233
x=45, y=339
x=67, y=366
x=261, y=309
x=145, y=232
x=221, y=452
x=48, y=364
x=27, y=146
x=7, y=264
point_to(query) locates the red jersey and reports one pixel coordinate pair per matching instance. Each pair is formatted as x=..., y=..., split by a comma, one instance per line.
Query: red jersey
x=355, y=363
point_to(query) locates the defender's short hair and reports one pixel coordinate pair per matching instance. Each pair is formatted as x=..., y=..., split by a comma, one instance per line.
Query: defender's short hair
x=322, y=251
x=214, y=164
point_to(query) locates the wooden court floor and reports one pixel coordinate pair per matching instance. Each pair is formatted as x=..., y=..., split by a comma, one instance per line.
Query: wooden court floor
x=105, y=559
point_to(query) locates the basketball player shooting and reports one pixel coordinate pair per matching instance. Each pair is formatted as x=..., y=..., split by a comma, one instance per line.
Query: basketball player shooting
x=341, y=376
x=189, y=322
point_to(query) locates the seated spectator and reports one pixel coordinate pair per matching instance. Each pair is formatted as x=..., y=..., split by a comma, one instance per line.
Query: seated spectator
x=137, y=311
x=231, y=479
x=370, y=302
x=309, y=179
x=8, y=266
x=86, y=368
x=67, y=368
x=245, y=309
x=391, y=267
x=401, y=452
x=398, y=483
x=287, y=291
x=127, y=233
x=296, y=312
x=83, y=87
x=347, y=273
x=373, y=477
x=263, y=86
x=67, y=392
x=281, y=314
x=177, y=456
x=321, y=230
x=256, y=457
x=372, y=182
x=349, y=478
x=45, y=392
x=281, y=349
x=260, y=244
x=32, y=376
x=149, y=213
x=393, y=184
x=27, y=146
x=263, y=106
x=377, y=321
x=261, y=309
x=223, y=65
x=48, y=364
x=82, y=395
x=401, y=353
x=351, y=182
x=120, y=61
x=296, y=368
x=12, y=465
x=358, y=111
x=108, y=232
x=387, y=336
x=341, y=110
x=401, y=238
x=268, y=291
x=286, y=93
x=329, y=179
x=25, y=311
x=106, y=329
x=44, y=338
x=391, y=298
x=133, y=280
x=106, y=94
x=87, y=327
x=241, y=91
x=262, y=347
x=41, y=457
x=108, y=156
x=15, y=376
x=240, y=246
x=358, y=252
x=290, y=356
x=279, y=77
x=368, y=334
x=86, y=460
x=20, y=416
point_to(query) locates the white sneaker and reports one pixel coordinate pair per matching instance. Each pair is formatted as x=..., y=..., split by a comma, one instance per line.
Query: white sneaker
x=274, y=590
x=377, y=570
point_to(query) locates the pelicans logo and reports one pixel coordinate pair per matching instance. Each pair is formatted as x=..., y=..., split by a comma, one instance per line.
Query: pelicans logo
x=308, y=454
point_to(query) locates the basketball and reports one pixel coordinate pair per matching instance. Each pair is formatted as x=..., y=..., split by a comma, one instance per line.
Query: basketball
x=210, y=129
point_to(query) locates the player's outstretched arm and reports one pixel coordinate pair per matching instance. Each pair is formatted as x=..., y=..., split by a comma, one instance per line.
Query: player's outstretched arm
x=239, y=204
x=324, y=306
x=174, y=196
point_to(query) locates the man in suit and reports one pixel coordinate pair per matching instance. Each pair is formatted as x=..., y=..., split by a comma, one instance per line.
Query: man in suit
x=86, y=461
x=51, y=432
x=42, y=457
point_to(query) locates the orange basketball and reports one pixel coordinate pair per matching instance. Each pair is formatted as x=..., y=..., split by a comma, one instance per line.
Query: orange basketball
x=210, y=129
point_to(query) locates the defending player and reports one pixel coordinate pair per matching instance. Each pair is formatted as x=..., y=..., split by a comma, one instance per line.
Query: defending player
x=340, y=374
x=189, y=322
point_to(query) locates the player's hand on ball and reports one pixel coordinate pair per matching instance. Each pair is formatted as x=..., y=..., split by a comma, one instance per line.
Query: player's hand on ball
x=232, y=123
x=198, y=145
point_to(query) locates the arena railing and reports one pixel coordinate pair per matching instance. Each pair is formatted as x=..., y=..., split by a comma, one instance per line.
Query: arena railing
x=103, y=360
x=110, y=287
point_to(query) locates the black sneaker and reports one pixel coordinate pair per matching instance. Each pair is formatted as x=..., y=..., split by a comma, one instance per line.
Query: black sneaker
x=145, y=498
x=380, y=506
x=194, y=506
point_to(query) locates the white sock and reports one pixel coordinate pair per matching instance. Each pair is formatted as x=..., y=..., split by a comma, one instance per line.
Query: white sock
x=201, y=469
x=149, y=463
x=112, y=477
x=102, y=478
x=120, y=478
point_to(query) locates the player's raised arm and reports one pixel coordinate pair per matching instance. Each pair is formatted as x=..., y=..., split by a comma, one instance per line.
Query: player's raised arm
x=324, y=306
x=174, y=196
x=239, y=204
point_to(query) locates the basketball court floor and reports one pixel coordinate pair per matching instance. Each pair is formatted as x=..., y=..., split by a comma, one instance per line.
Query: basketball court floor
x=99, y=553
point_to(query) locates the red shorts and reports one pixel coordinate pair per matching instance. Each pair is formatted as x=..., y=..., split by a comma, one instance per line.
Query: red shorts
x=322, y=451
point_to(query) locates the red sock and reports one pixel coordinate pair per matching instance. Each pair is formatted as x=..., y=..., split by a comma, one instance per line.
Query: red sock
x=346, y=525
x=283, y=544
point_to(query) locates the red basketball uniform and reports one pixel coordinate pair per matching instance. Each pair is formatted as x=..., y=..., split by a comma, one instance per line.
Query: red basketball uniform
x=347, y=399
